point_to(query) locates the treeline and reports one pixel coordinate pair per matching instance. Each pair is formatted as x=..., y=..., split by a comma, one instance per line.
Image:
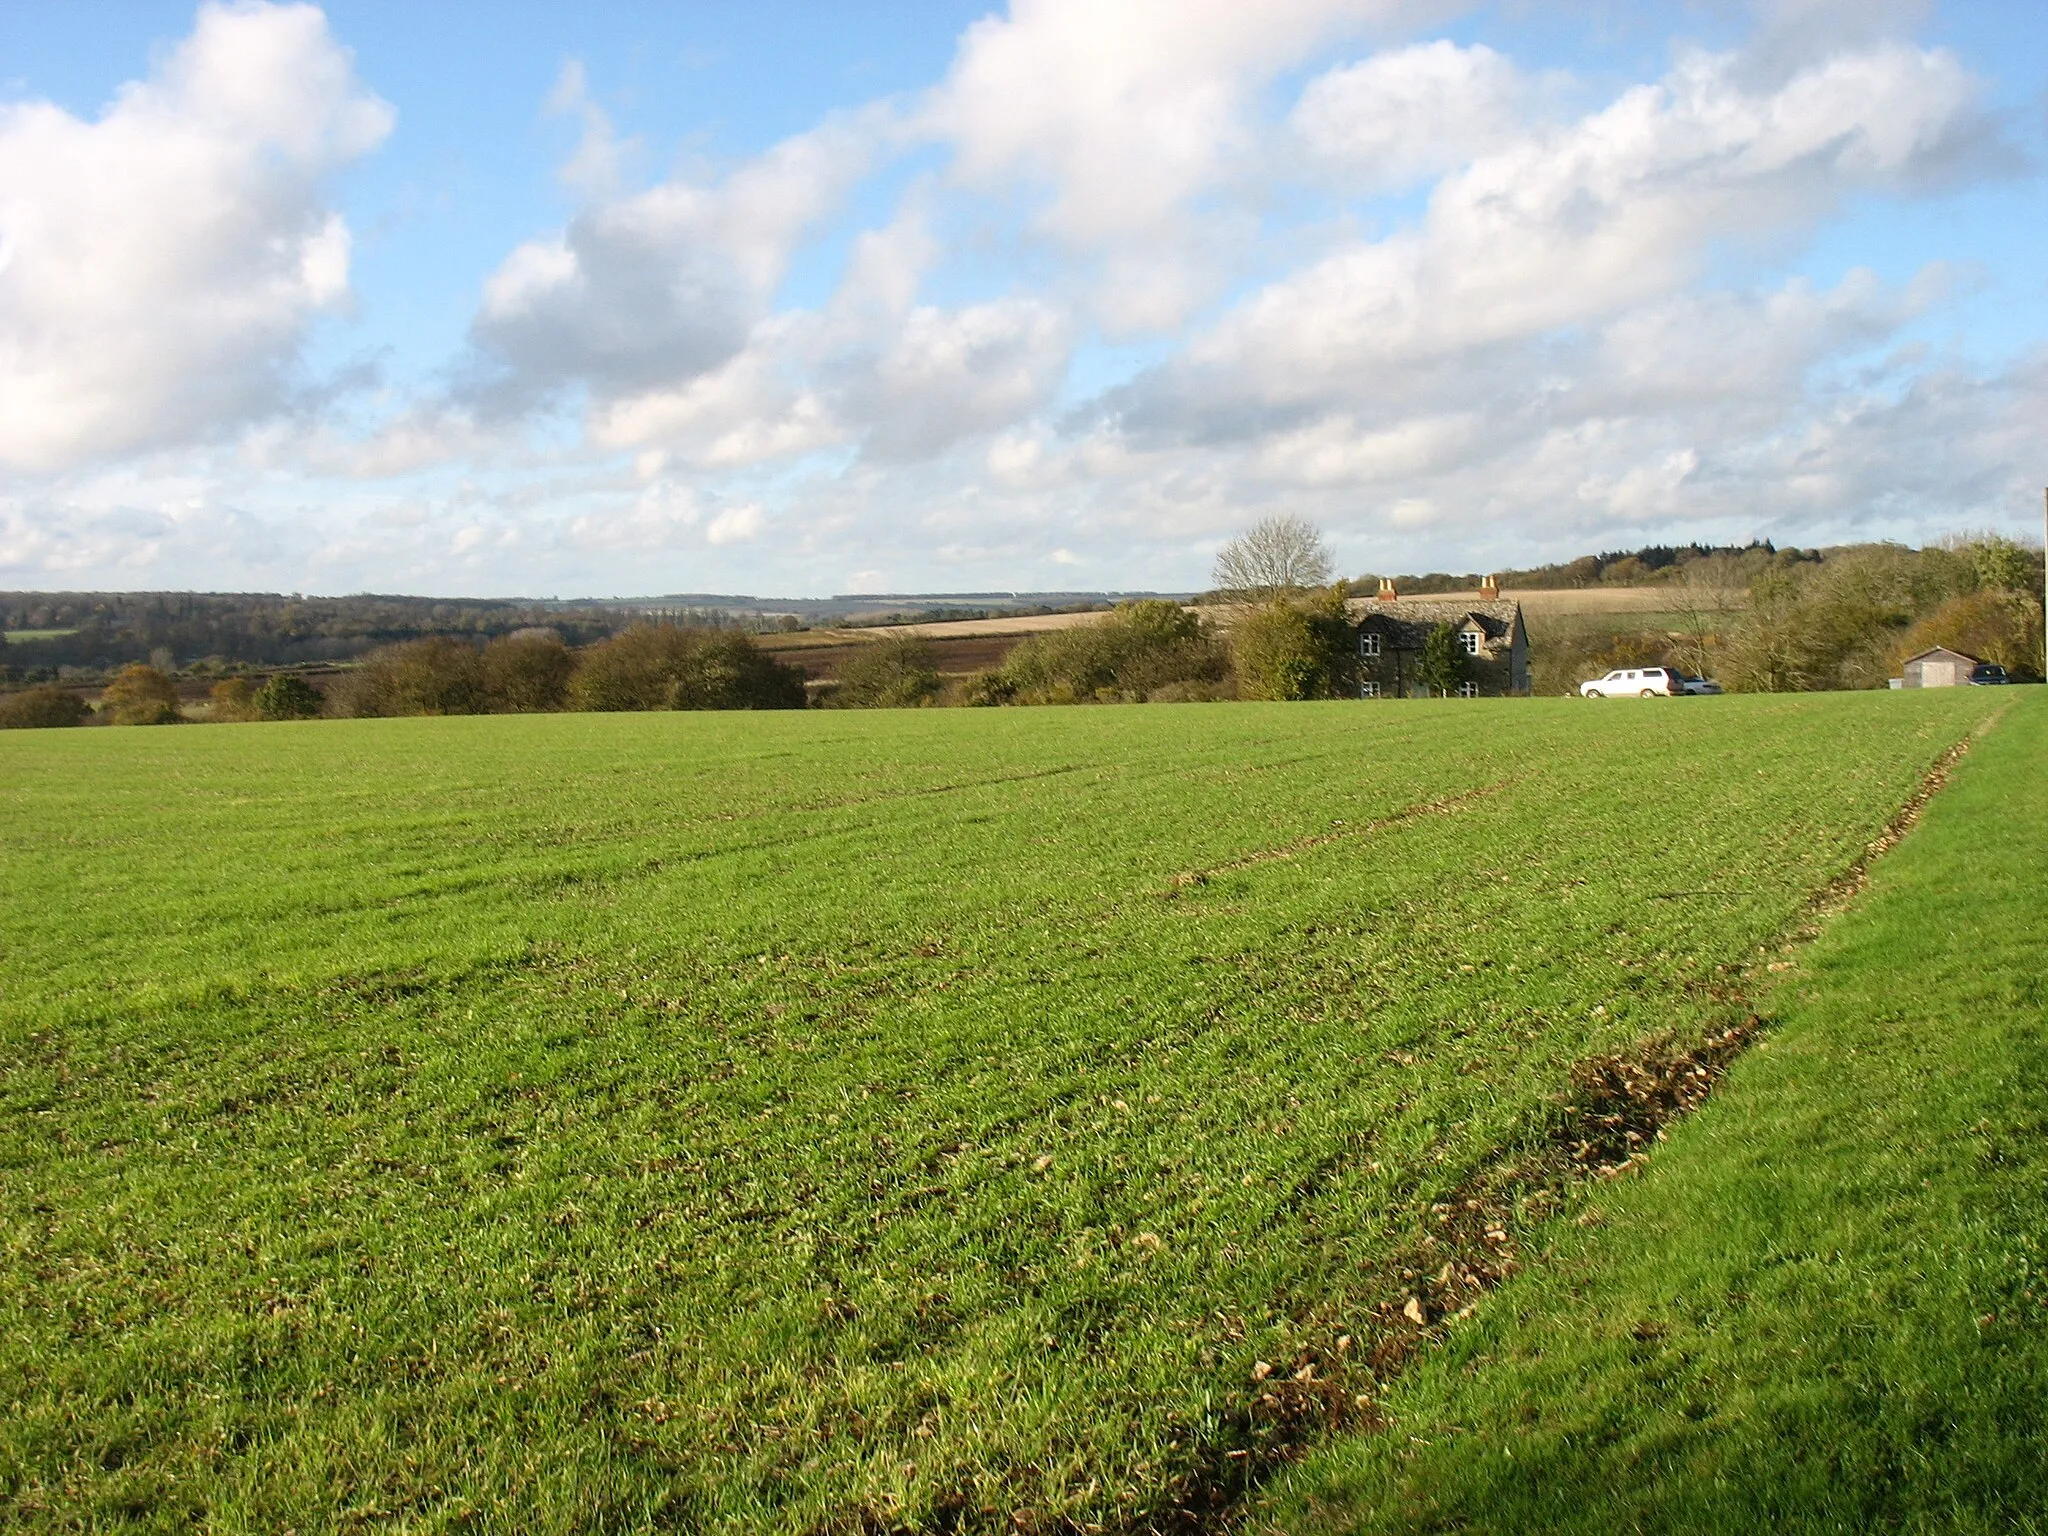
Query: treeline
x=1298, y=645
x=1850, y=620
x=1733, y=566
x=1842, y=618
x=1147, y=651
x=1847, y=619
x=101, y=631
x=530, y=671
x=646, y=667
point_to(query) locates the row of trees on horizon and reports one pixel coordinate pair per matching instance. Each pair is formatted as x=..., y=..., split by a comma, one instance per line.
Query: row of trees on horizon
x=1278, y=629
x=81, y=636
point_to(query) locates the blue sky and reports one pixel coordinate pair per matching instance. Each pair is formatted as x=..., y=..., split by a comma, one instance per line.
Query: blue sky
x=797, y=299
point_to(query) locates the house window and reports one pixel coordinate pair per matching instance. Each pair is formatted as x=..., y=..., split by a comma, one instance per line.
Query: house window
x=1469, y=638
x=1468, y=690
x=1368, y=690
x=1368, y=645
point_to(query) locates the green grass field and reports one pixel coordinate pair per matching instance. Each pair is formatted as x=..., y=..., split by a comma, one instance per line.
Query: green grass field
x=820, y=1121
x=1822, y=1308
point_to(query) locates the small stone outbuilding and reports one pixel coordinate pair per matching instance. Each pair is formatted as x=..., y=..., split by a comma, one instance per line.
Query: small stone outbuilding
x=1937, y=668
x=1391, y=631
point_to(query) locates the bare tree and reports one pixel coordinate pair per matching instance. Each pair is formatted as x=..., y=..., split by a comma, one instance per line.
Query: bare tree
x=1273, y=557
x=1707, y=607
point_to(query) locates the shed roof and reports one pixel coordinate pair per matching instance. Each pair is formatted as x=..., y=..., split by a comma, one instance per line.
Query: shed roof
x=1932, y=652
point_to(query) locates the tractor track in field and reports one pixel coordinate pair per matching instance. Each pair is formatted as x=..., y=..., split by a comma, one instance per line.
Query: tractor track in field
x=1469, y=1241
x=1348, y=832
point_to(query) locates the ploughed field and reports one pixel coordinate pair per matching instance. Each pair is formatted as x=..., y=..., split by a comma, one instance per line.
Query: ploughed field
x=822, y=1121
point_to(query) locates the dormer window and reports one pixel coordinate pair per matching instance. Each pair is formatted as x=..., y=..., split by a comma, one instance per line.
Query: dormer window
x=1469, y=639
x=1368, y=644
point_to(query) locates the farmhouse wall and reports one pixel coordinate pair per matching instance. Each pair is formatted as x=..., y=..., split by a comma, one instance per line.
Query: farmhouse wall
x=1397, y=628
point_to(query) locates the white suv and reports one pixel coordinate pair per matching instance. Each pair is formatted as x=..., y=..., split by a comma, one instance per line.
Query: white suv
x=1644, y=682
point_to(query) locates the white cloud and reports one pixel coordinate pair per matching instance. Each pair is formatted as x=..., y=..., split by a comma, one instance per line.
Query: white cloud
x=163, y=261
x=1122, y=116
x=1124, y=110
x=1399, y=116
x=1571, y=226
x=952, y=373
x=659, y=287
x=1560, y=331
x=597, y=167
x=736, y=525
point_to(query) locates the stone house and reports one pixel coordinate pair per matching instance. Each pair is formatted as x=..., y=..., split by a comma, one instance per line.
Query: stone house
x=1937, y=668
x=1390, y=632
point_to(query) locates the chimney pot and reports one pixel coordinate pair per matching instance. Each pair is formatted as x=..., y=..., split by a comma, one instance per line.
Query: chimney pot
x=1489, y=587
x=1387, y=592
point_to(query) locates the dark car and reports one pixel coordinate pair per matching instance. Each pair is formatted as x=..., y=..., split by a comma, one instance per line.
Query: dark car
x=1987, y=674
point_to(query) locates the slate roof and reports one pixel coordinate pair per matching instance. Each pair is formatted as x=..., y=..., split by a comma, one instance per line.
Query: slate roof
x=1407, y=621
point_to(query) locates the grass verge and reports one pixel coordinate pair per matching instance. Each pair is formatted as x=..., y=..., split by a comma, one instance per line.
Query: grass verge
x=1821, y=1307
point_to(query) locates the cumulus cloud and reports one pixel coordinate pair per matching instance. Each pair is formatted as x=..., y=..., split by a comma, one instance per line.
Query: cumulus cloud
x=1132, y=274
x=1399, y=116
x=159, y=265
x=1119, y=118
x=664, y=285
x=736, y=525
x=1566, y=228
x=1123, y=111
x=950, y=374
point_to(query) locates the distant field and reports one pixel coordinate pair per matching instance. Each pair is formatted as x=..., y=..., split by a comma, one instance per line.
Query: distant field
x=1621, y=600
x=922, y=1119
x=1023, y=624
x=959, y=646
x=38, y=634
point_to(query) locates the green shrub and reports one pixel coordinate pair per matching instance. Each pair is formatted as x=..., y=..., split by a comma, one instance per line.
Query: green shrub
x=893, y=672
x=288, y=696
x=40, y=708
x=1294, y=648
x=1136, y=651
x=986, y=689
x=528, y=672
x=673, y=666
x=141, y=695
x=1442, y=667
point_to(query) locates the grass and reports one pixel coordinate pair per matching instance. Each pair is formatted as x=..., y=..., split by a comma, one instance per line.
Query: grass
x=1822, y=1307
x=813, y=1121
x=36, y=634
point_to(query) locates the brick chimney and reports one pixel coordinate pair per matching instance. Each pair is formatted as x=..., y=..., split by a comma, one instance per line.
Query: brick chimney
x=1489, y=588
x=1387, y=592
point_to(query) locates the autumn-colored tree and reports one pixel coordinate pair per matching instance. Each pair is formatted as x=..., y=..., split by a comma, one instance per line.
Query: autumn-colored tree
x=528, y=672
x=234, y=700
x=41, y=707
x=141, y=695
x=1991, y=624
x=434, y=676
